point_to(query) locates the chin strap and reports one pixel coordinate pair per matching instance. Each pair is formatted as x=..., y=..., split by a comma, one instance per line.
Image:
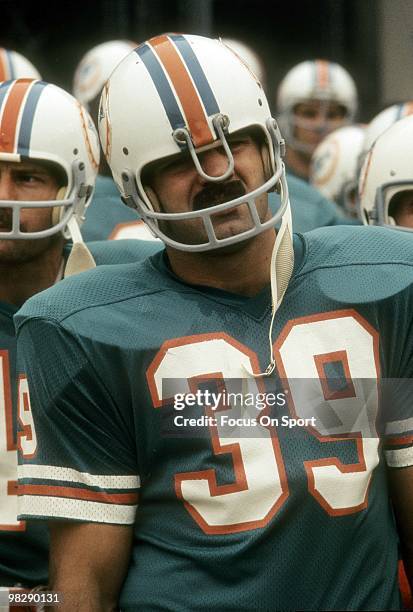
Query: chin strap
x=80, y=258
x=282, y=264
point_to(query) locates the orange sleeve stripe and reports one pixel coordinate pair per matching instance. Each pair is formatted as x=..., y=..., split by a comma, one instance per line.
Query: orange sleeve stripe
x=391, y=441
x=77, y=493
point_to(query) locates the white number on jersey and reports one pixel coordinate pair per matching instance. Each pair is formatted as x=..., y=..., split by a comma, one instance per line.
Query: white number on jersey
x=260, y=487
x=8, y=453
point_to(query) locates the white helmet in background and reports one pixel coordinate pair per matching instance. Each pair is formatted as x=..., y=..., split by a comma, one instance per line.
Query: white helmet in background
x=13, y=65
x=387, y=171
x=43, y=123
x=379, y=124
x=334, y=166
x=96, y=66
x=249, y=56
x=319, y=80
x=184, y=94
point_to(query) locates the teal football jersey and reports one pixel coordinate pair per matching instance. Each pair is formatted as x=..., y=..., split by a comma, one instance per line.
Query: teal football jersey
x=281, y=518
x=24, y=545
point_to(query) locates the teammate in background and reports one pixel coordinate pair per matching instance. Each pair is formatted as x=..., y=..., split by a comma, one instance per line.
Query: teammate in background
x=49, y=156
x=13, y=65
x=309, y=208
x=250, y=516
x=334, y=169
x=313, y=99
x=107, y=216
x=249, y=56
x=379, y=124
x=386, y=179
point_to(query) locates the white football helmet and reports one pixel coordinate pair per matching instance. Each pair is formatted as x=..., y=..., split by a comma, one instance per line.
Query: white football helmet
x=13, y=65
x=380, y=122
x=96, y=66
x=387, y=171
x=42, y=122
x=247, y=55
x=385, y=119
x=314, y=80
x=334, y=166
x=184, y=94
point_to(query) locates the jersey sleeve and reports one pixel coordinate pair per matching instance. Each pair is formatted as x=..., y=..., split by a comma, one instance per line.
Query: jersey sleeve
x=397, y=389
x=77, y=456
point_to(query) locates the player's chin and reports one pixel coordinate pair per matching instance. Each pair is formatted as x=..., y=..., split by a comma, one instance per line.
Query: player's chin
x=232, y=227
x=10, y=252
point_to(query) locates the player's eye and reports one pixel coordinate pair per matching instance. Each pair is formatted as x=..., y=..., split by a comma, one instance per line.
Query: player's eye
x=29, y=178
x=308, y=113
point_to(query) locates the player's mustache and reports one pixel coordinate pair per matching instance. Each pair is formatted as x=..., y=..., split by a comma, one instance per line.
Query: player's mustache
x=217, y=193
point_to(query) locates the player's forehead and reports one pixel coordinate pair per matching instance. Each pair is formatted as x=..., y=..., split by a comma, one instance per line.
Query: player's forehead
x=26, y=166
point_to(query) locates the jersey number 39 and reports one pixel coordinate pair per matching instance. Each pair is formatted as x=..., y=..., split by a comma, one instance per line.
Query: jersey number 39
x=260, y=486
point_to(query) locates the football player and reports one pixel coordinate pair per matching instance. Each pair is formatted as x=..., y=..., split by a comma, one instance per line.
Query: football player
x=14, y=65
x=379, y=124
x=313, y=99
x=49, y=155
x=249, y=56
x=334, y=170
x=386, y=179
x=270, y=519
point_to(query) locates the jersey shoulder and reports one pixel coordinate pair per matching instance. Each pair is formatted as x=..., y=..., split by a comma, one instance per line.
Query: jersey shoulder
x=122, y=251
x=357, y=264
x=101, y=286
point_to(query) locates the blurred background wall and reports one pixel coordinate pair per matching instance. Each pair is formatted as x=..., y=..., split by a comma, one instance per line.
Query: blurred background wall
x=373, y=39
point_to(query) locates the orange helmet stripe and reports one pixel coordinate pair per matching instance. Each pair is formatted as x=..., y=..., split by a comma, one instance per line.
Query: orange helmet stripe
x=322, y=73
x=4, y=66
x=11, y=114
x=184, y=88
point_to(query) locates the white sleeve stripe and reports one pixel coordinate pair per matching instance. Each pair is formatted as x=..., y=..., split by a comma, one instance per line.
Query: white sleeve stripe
x=399, y=457
x=399, y=427
x=56, y=507
x=51, y=472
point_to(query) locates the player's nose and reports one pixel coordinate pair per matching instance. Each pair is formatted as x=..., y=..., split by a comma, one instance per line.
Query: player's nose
x=7, y=187
x=214, y=162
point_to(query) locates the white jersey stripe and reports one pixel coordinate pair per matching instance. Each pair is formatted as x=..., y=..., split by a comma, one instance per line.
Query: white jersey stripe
x=399, y=427
x=399, y=457
x=51, y=472
x=42, y=506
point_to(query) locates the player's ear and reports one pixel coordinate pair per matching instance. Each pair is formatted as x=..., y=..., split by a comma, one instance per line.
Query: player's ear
x=153, y=198
x=266, y=163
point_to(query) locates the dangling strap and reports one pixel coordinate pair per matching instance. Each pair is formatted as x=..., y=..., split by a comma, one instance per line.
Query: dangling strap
x=282, y=264
x=80, y=258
